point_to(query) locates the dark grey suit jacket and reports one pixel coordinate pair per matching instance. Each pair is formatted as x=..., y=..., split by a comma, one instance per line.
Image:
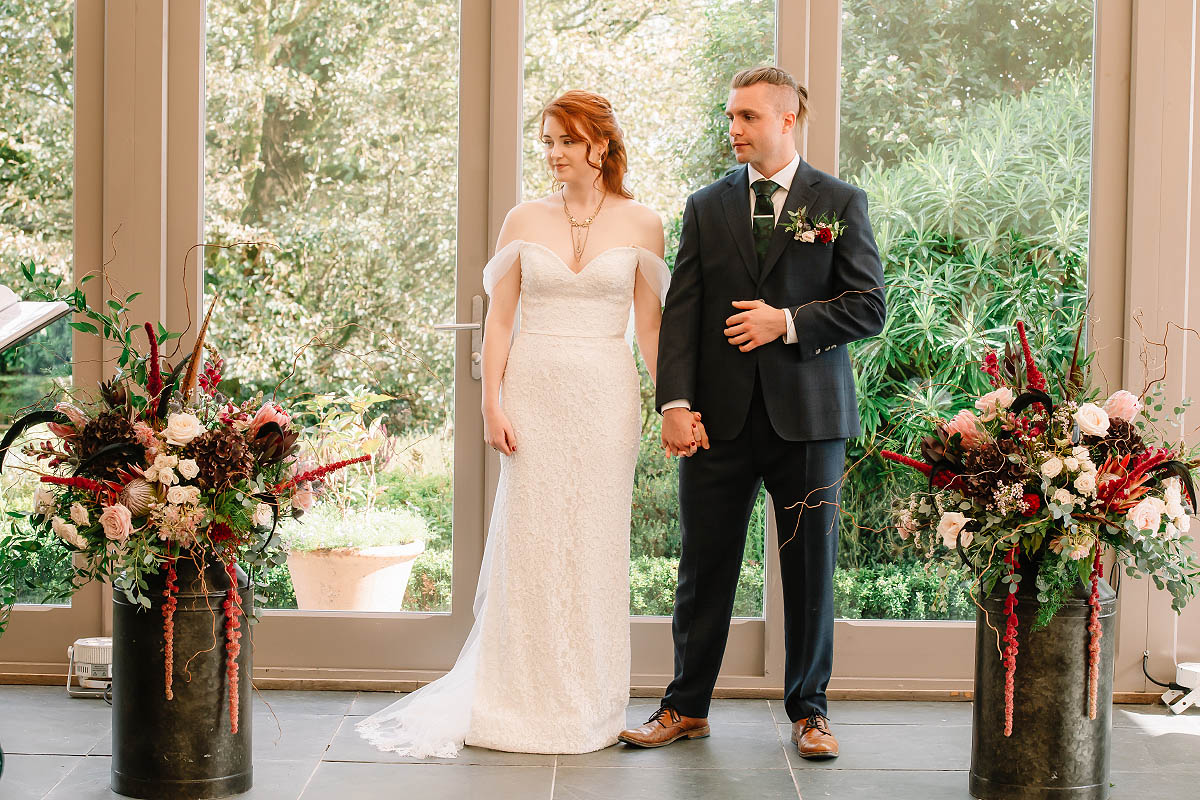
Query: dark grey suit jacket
x=834, y=292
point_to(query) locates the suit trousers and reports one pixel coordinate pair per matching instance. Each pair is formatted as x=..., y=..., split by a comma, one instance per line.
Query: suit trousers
x=717, y=491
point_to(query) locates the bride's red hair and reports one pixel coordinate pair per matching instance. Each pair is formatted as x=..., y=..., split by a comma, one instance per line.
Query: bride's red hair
x=589, y=117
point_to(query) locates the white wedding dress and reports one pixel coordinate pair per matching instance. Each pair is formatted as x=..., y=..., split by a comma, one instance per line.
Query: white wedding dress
x=545, y=668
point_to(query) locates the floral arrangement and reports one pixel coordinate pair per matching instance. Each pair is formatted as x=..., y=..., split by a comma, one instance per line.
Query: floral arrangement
x=1023, y=481
x=161, y=467
x=822, y=230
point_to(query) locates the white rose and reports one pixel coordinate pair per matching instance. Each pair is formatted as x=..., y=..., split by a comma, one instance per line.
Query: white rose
x=950, y=528
x=44, y=501
x=808, y=236
x=1092, y=419
x=167, y=477
x=151, y=474
x=1085, y=483
x=1173, y=496
x=1062, y=497
x=188, y=468
x=68, y=533
x=1052, y=466
x=163, y=461
x=182, y=428
x=990, y=404
x=1184, y=523
x=1147, y=515
x=263, y=515
x=79, y=514
x=1071, y=463
x=177, y=494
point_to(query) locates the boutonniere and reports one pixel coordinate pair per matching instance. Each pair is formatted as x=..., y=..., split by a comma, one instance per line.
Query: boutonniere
x=823, y=230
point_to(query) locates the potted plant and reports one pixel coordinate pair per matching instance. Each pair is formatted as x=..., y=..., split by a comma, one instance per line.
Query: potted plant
x=353, y=560
x=1032, y=491
x=171, y=490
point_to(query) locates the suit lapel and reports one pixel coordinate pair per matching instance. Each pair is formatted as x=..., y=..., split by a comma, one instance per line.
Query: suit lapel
x=801, y=194
x=736, y=201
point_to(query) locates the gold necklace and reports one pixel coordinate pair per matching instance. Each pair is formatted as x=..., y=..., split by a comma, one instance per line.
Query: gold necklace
x=579, y=239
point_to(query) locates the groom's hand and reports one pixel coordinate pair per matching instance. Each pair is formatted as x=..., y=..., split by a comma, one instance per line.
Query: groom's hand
x=682, y=432
x=756, y=325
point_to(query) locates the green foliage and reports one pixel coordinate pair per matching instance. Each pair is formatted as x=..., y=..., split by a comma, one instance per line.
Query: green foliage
x=902, y=591
x=1057, y=579
x=1014, y=164
x=910, y=69
x=427, y=494
x=652, y=583
x=429, y=586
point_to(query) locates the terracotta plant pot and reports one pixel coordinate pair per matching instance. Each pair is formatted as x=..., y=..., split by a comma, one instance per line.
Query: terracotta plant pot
x=353, y=579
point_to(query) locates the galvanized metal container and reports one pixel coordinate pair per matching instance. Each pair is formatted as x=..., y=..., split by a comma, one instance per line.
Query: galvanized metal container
x=1055, y=750
x=182, y=748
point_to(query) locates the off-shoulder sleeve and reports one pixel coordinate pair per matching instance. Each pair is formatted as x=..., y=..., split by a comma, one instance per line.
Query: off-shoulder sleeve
x=505, y=259
x=655, y=271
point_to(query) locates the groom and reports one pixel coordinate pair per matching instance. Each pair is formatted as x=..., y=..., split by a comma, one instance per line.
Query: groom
x=753, y=338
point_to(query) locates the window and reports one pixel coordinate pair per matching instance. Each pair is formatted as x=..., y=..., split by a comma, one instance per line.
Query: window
x=332, y=148
x=969, y=126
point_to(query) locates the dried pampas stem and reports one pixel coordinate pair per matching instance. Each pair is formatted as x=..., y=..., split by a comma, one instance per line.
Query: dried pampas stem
x=193, y=369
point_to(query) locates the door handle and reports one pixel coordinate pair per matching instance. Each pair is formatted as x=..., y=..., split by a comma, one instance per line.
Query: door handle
x=475, y=326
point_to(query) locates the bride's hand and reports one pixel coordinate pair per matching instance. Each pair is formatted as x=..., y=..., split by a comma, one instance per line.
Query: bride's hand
x=498, y=431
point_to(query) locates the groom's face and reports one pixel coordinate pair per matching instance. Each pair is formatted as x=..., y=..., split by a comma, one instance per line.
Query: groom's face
x=760, y=127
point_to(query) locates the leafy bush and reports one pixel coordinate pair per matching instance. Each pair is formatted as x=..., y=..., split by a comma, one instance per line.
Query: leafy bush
x=902, y=591
x=429, y=495
x=429, y=586
x=652, y=583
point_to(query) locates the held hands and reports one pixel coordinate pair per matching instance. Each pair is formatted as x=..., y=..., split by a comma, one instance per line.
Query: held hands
x=756, y=325
x=683, y=432
x=498, y=431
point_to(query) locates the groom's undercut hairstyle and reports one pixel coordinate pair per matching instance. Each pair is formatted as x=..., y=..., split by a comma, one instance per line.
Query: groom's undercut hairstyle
x=794, y=99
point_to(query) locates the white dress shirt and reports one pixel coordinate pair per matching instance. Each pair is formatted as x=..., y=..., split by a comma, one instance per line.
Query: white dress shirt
x=784, y=178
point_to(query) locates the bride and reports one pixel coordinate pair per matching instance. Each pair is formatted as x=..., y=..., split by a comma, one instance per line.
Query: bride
x=545, y=668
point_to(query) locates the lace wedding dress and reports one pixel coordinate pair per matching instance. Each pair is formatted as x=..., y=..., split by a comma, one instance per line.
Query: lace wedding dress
x=545, y=668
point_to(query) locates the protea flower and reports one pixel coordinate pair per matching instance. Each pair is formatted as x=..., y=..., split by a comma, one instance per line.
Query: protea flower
x=138, y=495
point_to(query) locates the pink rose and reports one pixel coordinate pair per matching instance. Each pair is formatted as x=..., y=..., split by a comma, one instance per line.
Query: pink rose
x=1147, y=515
x=270, y=412
x=990, y=404
x=117, y=522
x=907, y=527
x=1123, y=404
x=303, y=500
x=967, y=424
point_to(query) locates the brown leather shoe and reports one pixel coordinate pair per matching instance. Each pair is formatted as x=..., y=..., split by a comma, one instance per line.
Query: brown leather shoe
x=813, y=738
x=665, y=726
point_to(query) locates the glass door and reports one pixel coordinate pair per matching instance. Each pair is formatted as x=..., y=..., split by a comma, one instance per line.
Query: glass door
x=331, y=215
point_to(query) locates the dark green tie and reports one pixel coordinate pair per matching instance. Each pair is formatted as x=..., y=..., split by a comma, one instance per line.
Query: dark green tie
x=764, y=217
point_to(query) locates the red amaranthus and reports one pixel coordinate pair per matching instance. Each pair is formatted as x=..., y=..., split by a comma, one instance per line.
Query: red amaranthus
x=1096, y=632
x=233, y=646
x=168, y=611
x=1010, y=641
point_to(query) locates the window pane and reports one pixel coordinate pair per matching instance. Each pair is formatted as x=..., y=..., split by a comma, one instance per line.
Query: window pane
x=969, y=126
x=666, y=70
x=36, y=184
x=332, y=134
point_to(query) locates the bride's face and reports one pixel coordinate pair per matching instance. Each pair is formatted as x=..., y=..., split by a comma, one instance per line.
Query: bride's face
x=566, y=155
